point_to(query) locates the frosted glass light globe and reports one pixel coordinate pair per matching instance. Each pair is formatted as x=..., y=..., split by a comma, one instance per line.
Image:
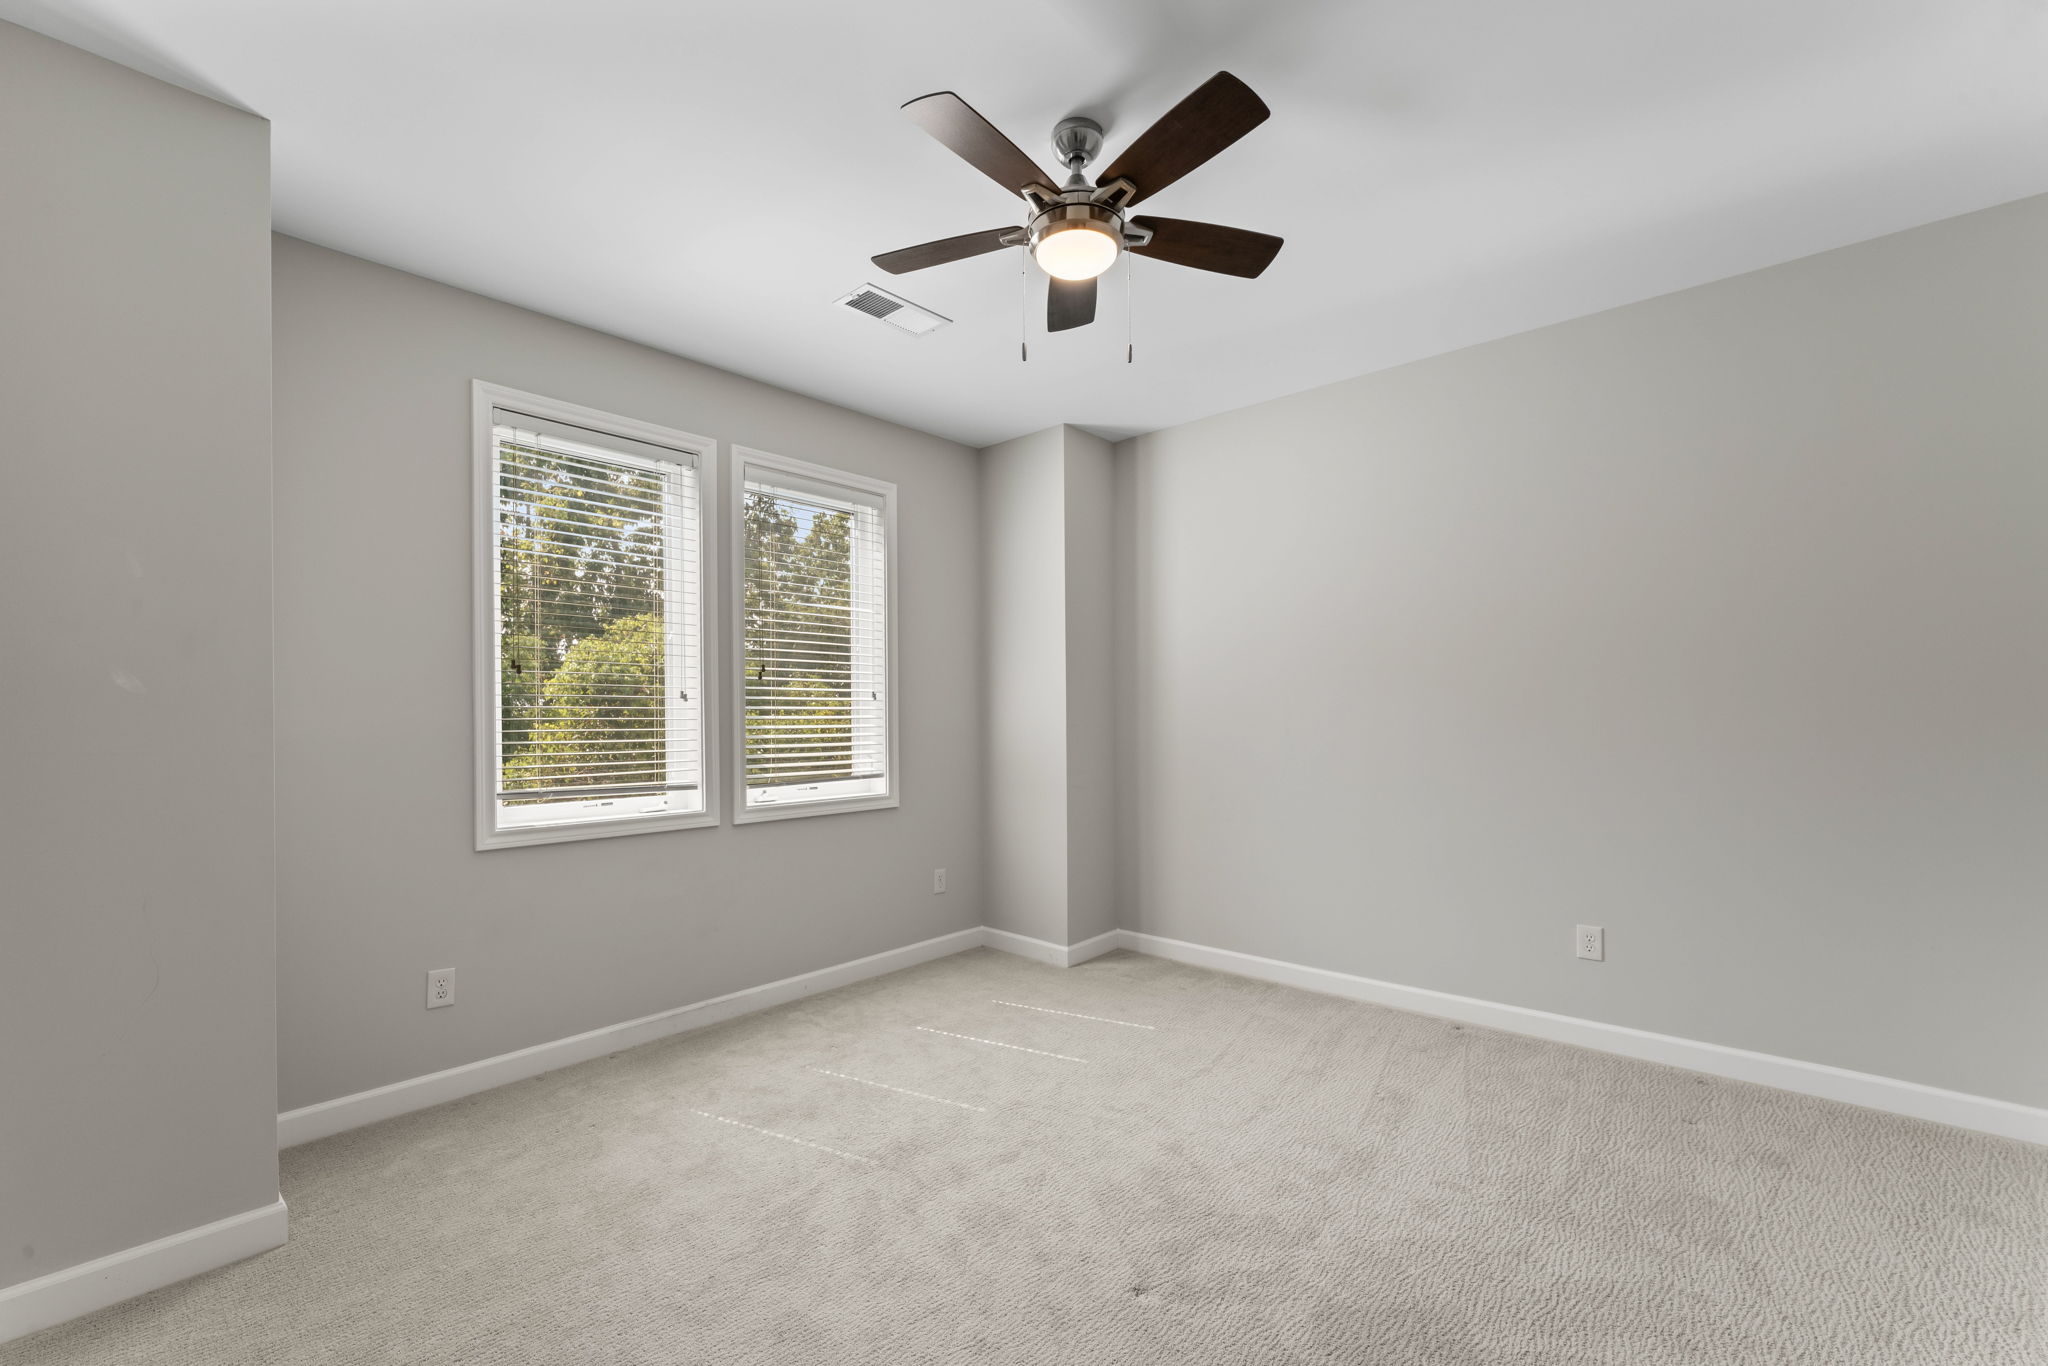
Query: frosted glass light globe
x=1080, y=252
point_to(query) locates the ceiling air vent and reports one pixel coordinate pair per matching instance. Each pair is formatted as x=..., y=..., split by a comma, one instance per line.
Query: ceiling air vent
x=892, y=309
x=873, y=304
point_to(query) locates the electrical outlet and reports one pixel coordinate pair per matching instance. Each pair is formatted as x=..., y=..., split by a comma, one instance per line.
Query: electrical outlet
x=938, y=881
x=1591, y=943
x=440, y=987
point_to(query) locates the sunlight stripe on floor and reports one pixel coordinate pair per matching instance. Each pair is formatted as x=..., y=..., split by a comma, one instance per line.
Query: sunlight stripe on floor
x=786, y=1138
x=997, y=1043
x=1076, y=1015
x=899, y=1090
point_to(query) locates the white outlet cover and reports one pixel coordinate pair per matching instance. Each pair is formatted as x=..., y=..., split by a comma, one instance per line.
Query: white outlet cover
x=938, y=881
x=1590, y=943
x=440, y=987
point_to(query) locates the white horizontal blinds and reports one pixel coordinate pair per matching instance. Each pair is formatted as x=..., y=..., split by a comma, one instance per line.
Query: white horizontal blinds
x=815, y=672
x=600, y=689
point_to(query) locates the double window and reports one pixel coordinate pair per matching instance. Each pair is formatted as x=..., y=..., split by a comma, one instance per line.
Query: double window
x=597, y=672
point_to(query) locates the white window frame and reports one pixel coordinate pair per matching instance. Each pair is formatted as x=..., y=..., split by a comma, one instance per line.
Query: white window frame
x=744, y=460
x=703, y=452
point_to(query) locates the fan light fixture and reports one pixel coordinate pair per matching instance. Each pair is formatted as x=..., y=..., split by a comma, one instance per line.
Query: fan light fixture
x=1076, y=250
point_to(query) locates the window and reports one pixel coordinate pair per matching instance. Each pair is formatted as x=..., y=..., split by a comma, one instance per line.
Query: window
x=591, y=687
x=815, y=649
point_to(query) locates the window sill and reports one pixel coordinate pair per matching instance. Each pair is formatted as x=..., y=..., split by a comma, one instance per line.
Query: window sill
x=747, y=815
x=488, y=837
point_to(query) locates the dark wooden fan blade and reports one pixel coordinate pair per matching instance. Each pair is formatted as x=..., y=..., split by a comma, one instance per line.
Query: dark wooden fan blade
x=945, y=249
x=1068, y=303
x=975, y=140
x=1206, y=246
x=1222, y=110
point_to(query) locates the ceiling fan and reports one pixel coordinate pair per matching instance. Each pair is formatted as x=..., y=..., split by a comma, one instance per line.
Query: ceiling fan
x=1077, y=232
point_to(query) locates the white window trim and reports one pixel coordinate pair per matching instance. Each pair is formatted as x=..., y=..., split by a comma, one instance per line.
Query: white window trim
x=745, y=458
x=484, y=573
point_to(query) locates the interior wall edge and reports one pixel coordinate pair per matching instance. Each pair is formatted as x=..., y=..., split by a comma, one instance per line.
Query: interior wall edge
x=137, y=1000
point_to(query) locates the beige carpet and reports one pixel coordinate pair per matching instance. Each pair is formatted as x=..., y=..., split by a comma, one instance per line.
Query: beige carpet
x=988, y=1160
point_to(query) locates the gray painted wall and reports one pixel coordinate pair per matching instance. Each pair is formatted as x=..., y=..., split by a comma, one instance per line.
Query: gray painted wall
x=1046, y=523
x=1091, y=695
x=1720, y=620
x=137, y=948
x=1023, y=521
x=378, y=879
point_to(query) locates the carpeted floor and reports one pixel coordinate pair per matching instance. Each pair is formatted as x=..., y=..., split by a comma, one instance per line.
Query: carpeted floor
x=988, y=1160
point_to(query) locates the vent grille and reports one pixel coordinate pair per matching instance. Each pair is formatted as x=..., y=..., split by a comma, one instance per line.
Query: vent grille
x=873, y=304
x=892, y=309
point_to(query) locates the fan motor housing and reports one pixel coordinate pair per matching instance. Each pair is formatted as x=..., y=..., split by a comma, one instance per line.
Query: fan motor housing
x=1065, y=217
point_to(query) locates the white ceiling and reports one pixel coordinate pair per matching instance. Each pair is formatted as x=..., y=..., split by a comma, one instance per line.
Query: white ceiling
x=708, y=177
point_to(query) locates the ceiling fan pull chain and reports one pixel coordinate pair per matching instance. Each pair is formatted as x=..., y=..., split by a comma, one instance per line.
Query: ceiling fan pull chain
x=1130, y=315
x=1023, y=304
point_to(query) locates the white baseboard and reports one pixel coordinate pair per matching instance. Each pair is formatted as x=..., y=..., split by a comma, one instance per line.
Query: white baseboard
x=49, y=1300
x=1024, y=946
x=61, y=1295
x=1045, y=951
x=418, y=1093
x=402, y=1097
x=1981, y=1113
x=1094, y=948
